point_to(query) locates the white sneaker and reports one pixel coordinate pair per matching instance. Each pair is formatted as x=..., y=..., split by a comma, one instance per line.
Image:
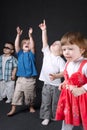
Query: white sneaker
x=7, y=101
x=45, y=122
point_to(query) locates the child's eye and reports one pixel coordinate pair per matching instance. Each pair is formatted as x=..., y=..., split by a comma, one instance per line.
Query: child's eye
x=70, y=49
x=64, y=49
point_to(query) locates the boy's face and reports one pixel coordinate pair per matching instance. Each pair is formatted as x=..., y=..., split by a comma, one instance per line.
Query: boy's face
x=26, y=45
x=56, y=47
x=8, y=49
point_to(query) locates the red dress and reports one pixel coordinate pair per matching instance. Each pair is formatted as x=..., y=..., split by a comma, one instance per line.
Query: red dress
x=70, y=108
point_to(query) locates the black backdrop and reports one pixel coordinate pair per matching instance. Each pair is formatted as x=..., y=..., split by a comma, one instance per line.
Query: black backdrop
x=60, y=15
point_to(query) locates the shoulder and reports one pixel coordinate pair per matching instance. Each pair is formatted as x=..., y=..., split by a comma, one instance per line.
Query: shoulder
x=83, y=62
x=13, y=58
x=19, y=52
x=46, y=49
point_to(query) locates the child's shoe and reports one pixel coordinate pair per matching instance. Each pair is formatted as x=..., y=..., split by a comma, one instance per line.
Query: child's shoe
x=45, y=122
x=8, y=101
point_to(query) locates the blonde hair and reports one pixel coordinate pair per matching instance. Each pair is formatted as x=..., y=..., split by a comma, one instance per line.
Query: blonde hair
x=75, y=38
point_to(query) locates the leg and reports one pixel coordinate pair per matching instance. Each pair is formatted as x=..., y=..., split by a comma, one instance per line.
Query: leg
x=16, y=101
x=55, y=96
x=32, y=110
x=9, y=91
x=30, y=93
x=2, y=90
x=45, y=110
x=66, y=126
x=13, y=109
x=17, y=98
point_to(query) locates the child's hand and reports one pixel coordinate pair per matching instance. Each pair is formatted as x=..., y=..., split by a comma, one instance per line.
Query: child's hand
x=71, y=87
x=78, y=91
x=19, y=31
x=42, y=25
x=13, y=77
x=52, y=76
x=61, y=86
x=30, y=30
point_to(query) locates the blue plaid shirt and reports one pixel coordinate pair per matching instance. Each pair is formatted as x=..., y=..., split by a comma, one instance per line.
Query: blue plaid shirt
x=9, y=66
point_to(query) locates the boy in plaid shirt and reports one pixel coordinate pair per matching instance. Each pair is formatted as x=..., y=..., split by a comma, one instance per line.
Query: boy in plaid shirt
x=8, y=67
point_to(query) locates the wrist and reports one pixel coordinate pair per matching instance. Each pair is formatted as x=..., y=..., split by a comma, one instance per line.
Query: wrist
x=44, y=29
x=18, y=35
x=30, y=34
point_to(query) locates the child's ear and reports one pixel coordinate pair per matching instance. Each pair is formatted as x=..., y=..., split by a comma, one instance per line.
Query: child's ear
x=82, y=50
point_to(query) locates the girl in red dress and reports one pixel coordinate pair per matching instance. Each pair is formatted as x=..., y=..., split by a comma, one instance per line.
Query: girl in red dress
x=72, y=103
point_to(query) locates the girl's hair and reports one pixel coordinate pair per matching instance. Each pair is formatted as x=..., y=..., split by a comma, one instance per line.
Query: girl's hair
x=75, y=38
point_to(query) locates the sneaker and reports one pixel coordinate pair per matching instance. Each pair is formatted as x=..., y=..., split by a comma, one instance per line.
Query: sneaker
x=8, y=101
x=45, y=122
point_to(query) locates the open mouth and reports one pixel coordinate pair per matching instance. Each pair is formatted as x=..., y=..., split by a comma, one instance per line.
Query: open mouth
x=26, y=46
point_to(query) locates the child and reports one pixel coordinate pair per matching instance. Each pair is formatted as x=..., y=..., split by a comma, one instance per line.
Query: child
x=8, y=67
x=25, y=84
x=51, y=73
x=72, y=103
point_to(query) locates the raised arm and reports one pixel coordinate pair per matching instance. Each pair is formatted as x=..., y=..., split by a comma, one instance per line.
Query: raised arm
x=32, y=43
x=44, y=33
x=17, y=40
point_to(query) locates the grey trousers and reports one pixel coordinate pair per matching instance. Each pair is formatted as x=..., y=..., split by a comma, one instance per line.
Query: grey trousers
x=50, y=95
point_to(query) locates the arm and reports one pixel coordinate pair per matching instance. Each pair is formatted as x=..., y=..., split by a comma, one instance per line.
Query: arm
x=14, y=74
x=44, y=34
x=55, y=76
x=17, y=40
x=77, y=91
x=32, y=44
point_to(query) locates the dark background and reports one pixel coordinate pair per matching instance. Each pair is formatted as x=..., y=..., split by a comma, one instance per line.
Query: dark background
x=61, y=16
